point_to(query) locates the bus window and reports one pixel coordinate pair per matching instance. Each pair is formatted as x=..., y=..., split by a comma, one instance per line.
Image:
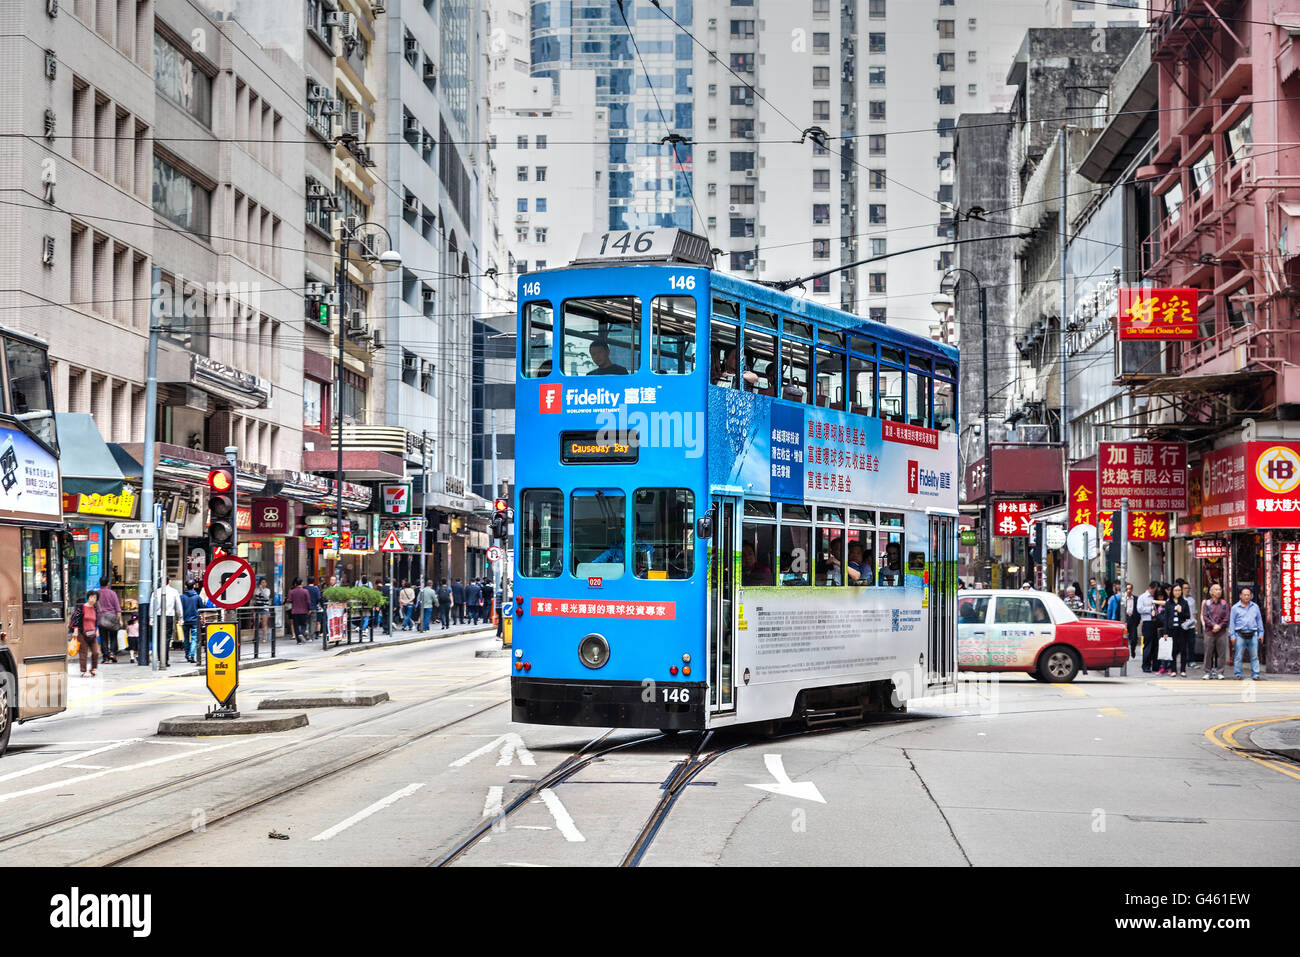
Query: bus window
x=665, y=522
x=830, y=547
x=830, y=379
x=31, y=398
x=796, y=541
x=862, y=386
x=541, y=530
x=42, y=576
x=918, y=400
x=727, y=308
x=601, y=336
x=596, y=533
x=891, y=394
x=760, y=362
x=672, y=343
x=795, y=385
x=539, y=323
x=756, y=542
x=724, y=353
x=944, y=418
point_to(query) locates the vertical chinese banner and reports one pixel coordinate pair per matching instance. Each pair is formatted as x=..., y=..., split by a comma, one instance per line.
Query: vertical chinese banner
x=1289, y=553
x=1083, y=497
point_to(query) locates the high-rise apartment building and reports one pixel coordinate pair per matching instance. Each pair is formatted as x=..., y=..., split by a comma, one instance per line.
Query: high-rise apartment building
x=1096, y=13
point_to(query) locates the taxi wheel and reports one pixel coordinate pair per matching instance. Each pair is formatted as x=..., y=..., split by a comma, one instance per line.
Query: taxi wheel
x=6, y=706
x=1059, y=664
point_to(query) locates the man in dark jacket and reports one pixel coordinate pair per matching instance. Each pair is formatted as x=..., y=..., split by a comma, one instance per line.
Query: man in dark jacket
x=444, y=605
x=458, y=600
x=473, y=597
x=318, y=607
x=487, y=599
x=190, y=620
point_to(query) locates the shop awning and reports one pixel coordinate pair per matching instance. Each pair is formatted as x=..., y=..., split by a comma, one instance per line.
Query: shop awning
x=85, y=460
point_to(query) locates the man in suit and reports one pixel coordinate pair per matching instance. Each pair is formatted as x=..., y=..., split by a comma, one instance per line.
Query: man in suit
x=473, y=598
x=458, y=601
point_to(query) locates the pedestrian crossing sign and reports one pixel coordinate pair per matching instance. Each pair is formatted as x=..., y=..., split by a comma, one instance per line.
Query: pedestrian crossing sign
x=391, y=543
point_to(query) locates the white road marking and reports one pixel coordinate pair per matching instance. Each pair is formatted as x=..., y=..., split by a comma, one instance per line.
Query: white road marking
x=492, y=805
x=511, y=745
x=521, y=863
x=87, y=767
x=71, y=757
x=533, y=827
x=99, y=774
x=366, y=812
x=804, y=790
x=562, y=819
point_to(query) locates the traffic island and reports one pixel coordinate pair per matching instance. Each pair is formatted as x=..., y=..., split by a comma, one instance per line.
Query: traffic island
x=199, y=726
x=1278, y=737
x=330, y=699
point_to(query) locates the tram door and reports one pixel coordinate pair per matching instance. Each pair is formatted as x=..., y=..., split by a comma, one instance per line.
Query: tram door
x=722, y=606
x=942, y=653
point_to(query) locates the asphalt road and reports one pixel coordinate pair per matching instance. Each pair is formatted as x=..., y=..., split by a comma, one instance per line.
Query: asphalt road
x=1116, y=771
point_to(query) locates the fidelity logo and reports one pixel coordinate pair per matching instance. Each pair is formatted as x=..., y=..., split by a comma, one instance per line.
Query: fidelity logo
x=924, y=481
x=913, y=476
x=550, y=398
x=554, y=398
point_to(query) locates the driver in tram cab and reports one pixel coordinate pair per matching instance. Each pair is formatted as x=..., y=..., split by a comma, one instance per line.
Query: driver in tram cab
x=600, y=355
x=752, y=571
x=891, y=573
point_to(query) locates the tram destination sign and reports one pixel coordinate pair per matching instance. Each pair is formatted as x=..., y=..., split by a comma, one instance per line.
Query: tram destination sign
x=600, y=446
x=1151, y=475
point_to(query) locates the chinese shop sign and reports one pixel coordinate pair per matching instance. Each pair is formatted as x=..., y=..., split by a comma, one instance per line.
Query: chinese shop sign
x=1014, y=518
x=1083, y=497
x=1151, y=475
x=1290, y=581
x=1211, y=548
x=1155, y=314
x=1251, y=485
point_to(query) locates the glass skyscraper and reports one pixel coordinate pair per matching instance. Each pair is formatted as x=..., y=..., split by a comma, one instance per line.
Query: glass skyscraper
x=648, y=185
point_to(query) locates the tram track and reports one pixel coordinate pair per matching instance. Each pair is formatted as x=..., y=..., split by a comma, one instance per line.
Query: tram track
x=130, y=851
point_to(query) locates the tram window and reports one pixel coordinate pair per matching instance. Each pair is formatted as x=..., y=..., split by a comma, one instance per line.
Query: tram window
x=891, y=519
x=30, y=397
x=724, y=346
x=830, y=555
x=727, y=308
x=830, y=337
x=830, y=379
x=597, y=537
x=891, y=355
x=891, y=394
x=601, y=336
x=865, y=346
x=756, y=509
x=945, y=371
x=890, y=555
x=756, y=553
x=541, y=546
x=862, y=386
x=672, y=342
x=42, y=576
x=760, y=318
x=796, y=513
x=859, y=567
x=801, y=329
x=944, y=397
x=664, y=523
x=539, y=324
x=830, y=516
x=760, y=362
x=861, y=516
x=796, y=542
x=919, y=362
x=795, y=384
x=918, y=400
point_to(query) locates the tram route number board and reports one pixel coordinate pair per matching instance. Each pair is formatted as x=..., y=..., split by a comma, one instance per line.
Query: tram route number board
x=229, y=582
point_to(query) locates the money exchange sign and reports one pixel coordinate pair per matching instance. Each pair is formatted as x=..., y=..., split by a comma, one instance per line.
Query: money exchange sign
x=1151, y=475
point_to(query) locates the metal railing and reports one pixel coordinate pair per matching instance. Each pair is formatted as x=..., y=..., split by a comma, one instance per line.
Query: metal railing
x=260, y=628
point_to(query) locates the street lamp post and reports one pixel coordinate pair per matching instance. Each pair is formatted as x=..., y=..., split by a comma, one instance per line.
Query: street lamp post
x=941, y=304
x=390, y=260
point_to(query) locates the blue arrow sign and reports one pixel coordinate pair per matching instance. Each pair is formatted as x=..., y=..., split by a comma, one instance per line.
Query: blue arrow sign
x=221, y=645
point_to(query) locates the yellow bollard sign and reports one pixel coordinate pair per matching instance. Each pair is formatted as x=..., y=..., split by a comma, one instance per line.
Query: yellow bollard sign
x=223, y=660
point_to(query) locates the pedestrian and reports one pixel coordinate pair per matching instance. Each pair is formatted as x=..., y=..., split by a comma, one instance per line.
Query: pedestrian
x=406, y=602
x=444, y=605
x=109, y=609
x=1096, y=597
x=428, y=598
x=1246, y=625
x=316, y=627
x=133, y=636
x=1115, y=603
x=1214, y=620
x=87, y=630
x=473, y=600
x=1072, y=600
x=1131, y=619
x=1178, y=622
x=488, y=607
x=170, y=612
x=190, y=620
x=261, y=609
x=458, y=600
x=1149, y=610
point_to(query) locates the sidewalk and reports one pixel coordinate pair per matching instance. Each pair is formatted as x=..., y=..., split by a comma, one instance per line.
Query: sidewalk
x=285, y=650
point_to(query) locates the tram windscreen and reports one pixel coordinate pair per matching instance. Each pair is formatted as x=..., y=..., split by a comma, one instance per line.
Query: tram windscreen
x=665, y=533
x=541, y=533
x=597, y=537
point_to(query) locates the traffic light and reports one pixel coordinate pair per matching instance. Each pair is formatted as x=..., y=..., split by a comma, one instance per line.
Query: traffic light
x=222, y=530
x=500, y=519
x=1113, y=549
x=1038, y=536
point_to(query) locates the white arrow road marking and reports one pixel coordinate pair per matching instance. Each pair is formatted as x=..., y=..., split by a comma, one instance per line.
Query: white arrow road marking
x=562, y=819
x=511, y=745
x=804, y=790
x=492, y=806
x=366, y=812
x=60, y=761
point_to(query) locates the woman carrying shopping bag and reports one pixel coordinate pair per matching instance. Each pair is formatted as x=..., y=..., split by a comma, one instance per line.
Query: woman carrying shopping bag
x=1177, y=624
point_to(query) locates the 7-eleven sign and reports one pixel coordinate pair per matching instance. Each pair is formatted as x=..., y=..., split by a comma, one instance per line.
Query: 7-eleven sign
x=397, y=498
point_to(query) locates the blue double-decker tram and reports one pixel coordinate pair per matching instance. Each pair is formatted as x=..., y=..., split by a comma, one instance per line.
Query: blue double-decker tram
x=732, y=506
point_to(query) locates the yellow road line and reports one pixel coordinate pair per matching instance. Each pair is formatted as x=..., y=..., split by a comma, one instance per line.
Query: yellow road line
x=1074, y=691
x=1111, y=712
x=1228, y=741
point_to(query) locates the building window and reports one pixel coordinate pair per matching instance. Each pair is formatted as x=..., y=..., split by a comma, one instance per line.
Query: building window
x=742, y=195
x=943, y=161
x=876, y=76
x=521, y=173
x=821, y=109
x=540, y=204
x=972, y=88
x=821, y=179
x=948, y=94
x=541, y=141
x=821, y=9
x=521, y=142
x=180, y=199
x=876, y=214
x=821, y=214
x=879, y=247
x=742, y=129
x=947, y=62
x=742, y=28
x=821, y=76
x=945, y=193
x=178, y=78
x=742, y=62
x=946, y=127
x=521, y=234
x=876, y=283
x=876, y=109
x=354, y=395
x=741, y=96
x=540, y=234
x=821, y=249
x=946, y=229
x=945, y=259
x=743, y=261
x=821, y=43
x=876, y=178
x=741, y=161
x=521, y=204
x=875, y=43
x=946, y=29
x=822, y=284
x=742, y=228
x=876, y=314
x=876, y=144
x=876, y=9
x=540, y=174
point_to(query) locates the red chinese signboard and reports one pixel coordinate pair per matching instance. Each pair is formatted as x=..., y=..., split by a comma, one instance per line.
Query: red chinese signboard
x=1014, y=518
x=1082, y=491
x=581, y=608
x=1251, y=485
x=1151, y=475
x=1142, y=526
x=1211, y=548
x=1290, y=581
x=1155, y=314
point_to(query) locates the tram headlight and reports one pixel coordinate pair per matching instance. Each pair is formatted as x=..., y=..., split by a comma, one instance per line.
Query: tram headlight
x=593, y=650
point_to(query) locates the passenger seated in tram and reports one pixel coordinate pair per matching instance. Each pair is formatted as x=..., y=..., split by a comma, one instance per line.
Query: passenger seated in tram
x=789, y=576
x=753, y=571
x=891, y=573
x=859, y=567
x=724, y=372
x=600, y=355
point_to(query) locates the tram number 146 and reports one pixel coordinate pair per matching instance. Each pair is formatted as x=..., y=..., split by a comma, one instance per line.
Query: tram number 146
x=678, y=695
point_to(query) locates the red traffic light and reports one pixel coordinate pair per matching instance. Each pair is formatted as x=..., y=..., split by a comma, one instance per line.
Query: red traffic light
x=500, y=505
x=221, y=480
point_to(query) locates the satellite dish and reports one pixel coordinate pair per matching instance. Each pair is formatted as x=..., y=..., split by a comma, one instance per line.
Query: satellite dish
x=1082, y=542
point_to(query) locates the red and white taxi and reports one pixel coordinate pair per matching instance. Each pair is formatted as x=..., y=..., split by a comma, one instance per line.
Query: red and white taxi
x=1033, y=631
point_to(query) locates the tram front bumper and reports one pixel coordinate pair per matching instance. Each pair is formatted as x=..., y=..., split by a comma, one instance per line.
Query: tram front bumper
x=609, y=704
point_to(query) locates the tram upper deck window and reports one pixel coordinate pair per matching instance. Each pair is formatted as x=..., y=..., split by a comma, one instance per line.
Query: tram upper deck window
x=945, y=418
x=760, y=362
x=539, y=327
x=43, y=594
x=726, y=308
x=862, y=385
x=795, y=328
x=601, y=336
x=597, y=539
x=918, y=400
x=830, y=379
x=862, y=346
x=830, y=337
x=891, y=394
x=796, y=383
x=724, y=354
x=541, y=533
x=664, y=520
x=760, y=319
x=672, y=342
x=31, y=399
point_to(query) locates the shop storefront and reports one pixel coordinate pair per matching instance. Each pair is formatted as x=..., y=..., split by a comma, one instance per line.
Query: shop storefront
x=1024, y=479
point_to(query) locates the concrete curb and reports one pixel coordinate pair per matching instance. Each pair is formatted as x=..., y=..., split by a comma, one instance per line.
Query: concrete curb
x=1279, y=739
x=338, y=700
x=198, y=726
